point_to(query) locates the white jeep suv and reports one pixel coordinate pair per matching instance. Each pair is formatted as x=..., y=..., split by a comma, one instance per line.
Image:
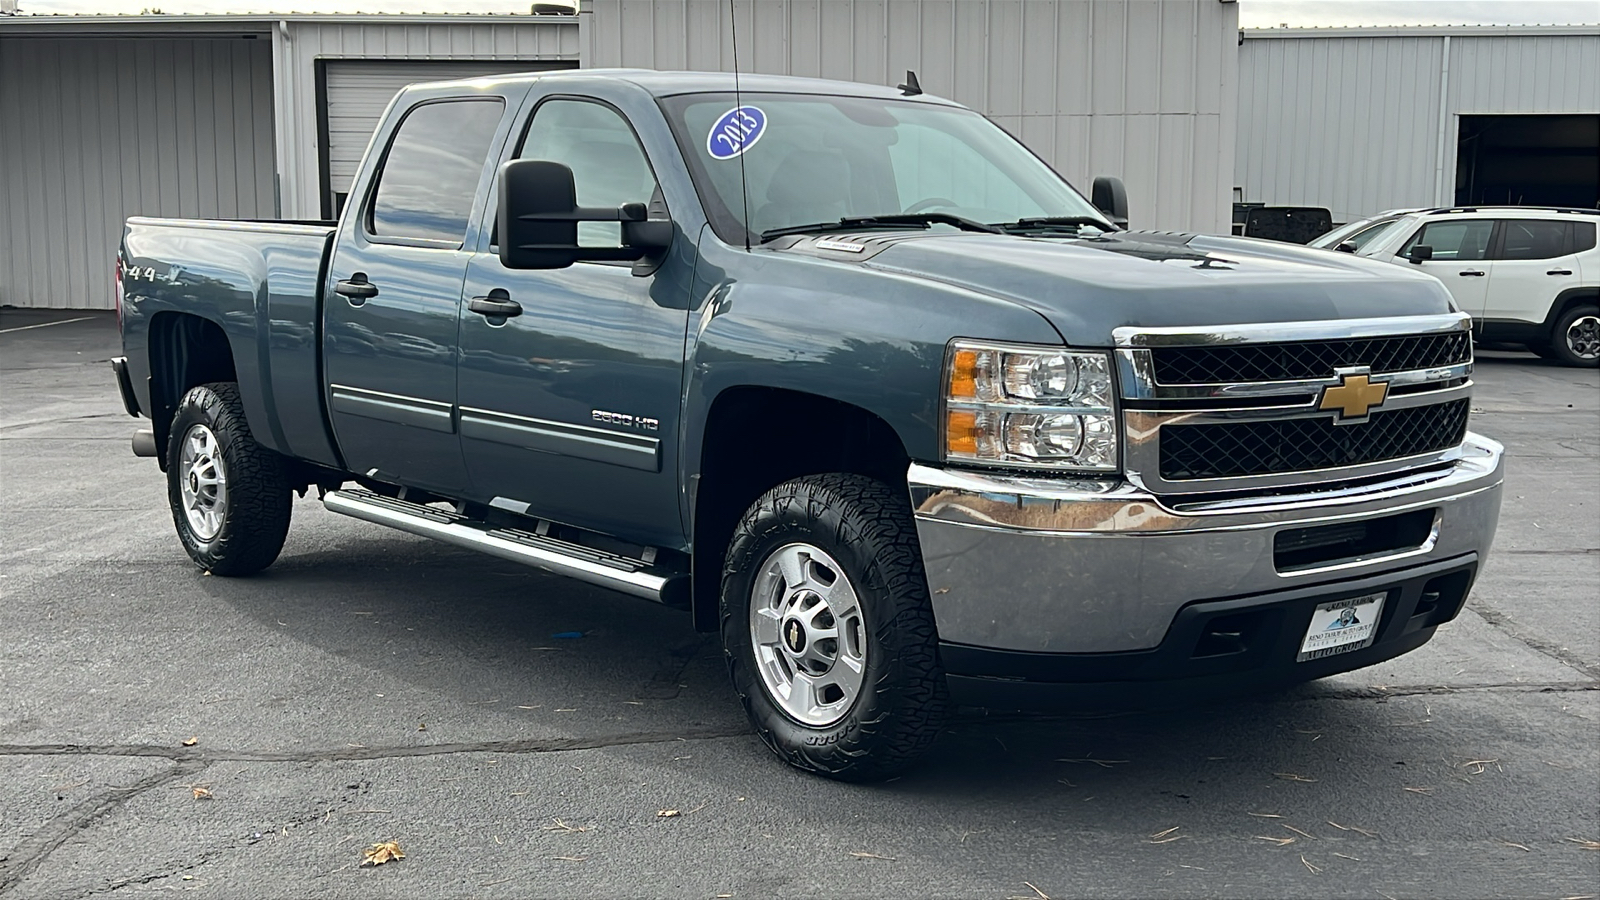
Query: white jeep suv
x=1527, y=275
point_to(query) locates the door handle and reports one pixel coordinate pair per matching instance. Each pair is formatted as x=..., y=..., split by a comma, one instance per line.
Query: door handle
x=1471, y=272
x=1559, y=272
x=357, y=288
x=498, y=305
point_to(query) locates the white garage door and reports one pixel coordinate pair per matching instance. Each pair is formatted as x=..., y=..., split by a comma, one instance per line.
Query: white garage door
x=357, y=93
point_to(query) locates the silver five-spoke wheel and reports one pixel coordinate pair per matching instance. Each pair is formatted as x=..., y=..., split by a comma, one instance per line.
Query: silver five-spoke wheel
x=1583, y=337
x=808, y=635
x=204, y=482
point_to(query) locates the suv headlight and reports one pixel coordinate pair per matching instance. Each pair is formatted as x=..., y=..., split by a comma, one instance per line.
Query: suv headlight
x=1033, y=407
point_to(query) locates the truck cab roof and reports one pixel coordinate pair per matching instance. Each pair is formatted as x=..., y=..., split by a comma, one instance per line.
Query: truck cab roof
x=667, y=84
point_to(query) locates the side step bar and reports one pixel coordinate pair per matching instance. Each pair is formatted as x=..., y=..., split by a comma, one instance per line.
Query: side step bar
x=620, y=573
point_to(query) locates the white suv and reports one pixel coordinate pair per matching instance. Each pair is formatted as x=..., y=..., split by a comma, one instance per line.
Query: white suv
x=1526, y=275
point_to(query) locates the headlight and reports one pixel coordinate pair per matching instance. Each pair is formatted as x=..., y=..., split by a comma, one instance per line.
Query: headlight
x=1032, y=407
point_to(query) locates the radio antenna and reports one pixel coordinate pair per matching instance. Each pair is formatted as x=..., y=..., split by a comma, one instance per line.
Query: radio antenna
x=738, y=104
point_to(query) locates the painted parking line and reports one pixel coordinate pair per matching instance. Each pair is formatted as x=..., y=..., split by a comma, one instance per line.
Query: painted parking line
x=45, y=324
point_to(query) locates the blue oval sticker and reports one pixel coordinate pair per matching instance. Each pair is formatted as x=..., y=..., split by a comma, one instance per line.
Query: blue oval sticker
x=736, y=131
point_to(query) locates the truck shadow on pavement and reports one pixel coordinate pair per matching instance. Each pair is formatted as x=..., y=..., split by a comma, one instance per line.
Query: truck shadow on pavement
x=525, y=654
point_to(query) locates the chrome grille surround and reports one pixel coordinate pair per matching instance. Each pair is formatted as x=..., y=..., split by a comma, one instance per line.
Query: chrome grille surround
x=1148, y=405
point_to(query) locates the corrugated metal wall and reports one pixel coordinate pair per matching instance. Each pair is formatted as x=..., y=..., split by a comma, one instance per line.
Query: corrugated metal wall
x=1354, y=123
x=95, y=130
x=297, y=47
x=1140, y=89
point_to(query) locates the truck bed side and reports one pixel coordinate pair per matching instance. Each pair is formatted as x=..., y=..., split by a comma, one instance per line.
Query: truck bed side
x=220, y=300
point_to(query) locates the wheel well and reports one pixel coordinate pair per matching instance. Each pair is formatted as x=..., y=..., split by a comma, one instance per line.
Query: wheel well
x=757, y=438
x=185, y=350
x=1567, y=300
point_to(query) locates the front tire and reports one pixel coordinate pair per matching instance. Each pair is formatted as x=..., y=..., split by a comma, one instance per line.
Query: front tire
x=828, y=631
x=1575, y=340
x=229, y=495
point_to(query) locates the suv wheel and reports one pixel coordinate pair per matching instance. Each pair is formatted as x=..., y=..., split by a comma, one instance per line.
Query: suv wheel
x=828, y=630
x=229, y=495
x=1575, y=341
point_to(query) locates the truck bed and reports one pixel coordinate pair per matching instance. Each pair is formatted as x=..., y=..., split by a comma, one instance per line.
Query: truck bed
x=259, y=282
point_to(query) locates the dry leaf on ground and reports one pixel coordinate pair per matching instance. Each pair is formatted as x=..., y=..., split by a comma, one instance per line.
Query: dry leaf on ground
x=564, y=828
x=190, y=742
x=667, y=813
x=201, y=793
x=378, y=854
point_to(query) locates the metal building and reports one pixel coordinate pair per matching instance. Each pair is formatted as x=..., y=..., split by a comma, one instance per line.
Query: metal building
x=1360, y=120
x=102, y=117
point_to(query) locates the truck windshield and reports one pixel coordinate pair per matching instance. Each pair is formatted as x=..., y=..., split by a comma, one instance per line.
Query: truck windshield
x=815, y=158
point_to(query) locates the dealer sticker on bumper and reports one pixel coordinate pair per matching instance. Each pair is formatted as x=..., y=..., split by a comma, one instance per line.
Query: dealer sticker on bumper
x=1340, y=626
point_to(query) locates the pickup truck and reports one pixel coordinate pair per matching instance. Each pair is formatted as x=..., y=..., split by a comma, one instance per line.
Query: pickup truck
x=845, y=372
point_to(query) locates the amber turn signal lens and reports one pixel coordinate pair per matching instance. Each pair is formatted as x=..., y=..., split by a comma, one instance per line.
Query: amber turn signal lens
x=964, y=374
x=961, y=432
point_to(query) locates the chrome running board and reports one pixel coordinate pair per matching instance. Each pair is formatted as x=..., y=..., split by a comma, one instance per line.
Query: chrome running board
x=620, y=573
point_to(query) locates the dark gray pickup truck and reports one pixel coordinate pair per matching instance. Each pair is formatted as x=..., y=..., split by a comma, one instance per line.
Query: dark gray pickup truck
x=845, y=372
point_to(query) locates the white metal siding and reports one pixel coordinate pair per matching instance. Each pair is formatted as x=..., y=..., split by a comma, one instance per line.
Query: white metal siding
x=1140, y=89
x=95, y=130
x=299, y=44
x=1354, y=123
x=358, y=92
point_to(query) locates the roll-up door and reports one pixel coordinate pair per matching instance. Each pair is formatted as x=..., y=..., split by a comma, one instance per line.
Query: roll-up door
x=355, y=92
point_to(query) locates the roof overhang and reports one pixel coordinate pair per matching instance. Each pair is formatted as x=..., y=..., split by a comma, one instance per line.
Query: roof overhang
x=251, y=23
x=1251, y=34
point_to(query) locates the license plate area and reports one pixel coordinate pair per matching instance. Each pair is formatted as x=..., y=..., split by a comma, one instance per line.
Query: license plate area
x=1342, y=626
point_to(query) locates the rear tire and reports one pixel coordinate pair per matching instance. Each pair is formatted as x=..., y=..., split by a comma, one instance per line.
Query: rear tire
x=828, y=630
x=1575, y=340
x=229, y=495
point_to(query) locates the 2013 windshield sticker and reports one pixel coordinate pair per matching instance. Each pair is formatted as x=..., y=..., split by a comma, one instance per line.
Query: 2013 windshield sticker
x=736, y=131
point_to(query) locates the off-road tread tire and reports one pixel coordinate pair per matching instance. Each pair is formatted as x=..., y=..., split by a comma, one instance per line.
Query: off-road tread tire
x=868, y=529
x=1558, y=338
x=256, y=520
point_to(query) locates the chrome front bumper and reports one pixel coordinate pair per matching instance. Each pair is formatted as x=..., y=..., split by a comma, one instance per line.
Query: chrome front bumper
x=1062, y=566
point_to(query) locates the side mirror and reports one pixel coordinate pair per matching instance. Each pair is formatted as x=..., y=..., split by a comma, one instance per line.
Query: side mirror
x=538, y=218
x=1346, y=247
x=1418, y=253
x=1110, y=197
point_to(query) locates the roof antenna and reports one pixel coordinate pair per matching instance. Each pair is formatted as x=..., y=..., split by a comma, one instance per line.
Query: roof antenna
x=911, y=88
x=738, y=103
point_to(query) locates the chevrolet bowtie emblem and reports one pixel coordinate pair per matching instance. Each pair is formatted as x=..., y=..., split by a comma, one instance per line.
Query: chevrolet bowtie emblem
x=1355, y=395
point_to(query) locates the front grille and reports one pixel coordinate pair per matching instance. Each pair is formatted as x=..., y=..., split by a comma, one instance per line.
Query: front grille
x=1233, y=450
x=1232, y=364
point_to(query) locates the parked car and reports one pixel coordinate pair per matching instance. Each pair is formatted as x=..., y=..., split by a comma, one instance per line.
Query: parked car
x=846, y=373
x=1526, y=275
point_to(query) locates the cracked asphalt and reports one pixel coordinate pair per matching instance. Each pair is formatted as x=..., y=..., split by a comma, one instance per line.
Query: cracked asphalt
x=374, y=686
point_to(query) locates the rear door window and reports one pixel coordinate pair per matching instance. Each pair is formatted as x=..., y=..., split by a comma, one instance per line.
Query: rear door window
x=430, y=174
x=1459, y=239
x=1533, y=239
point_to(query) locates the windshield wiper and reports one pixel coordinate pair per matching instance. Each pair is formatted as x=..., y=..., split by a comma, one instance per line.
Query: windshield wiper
x=892, y=220
x=1054, y=223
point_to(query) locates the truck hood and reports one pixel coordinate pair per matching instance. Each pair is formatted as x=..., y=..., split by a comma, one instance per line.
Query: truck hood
x=1088, y=287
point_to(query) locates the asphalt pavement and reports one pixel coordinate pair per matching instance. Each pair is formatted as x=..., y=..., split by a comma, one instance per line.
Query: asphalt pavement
x=165, y=731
